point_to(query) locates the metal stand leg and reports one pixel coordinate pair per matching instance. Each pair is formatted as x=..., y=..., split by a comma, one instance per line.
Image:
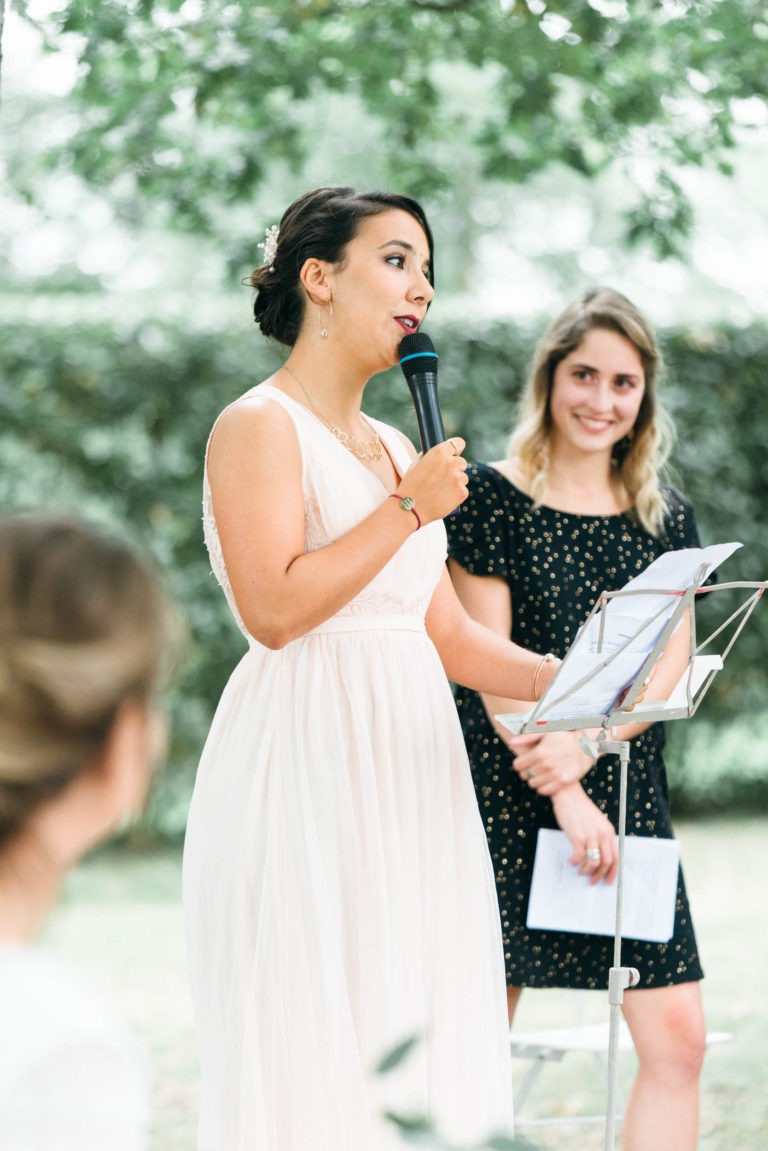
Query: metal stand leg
x=619, y=978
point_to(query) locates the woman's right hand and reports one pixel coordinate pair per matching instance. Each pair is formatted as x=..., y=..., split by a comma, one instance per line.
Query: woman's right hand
x=437, y=481
x=550, y=761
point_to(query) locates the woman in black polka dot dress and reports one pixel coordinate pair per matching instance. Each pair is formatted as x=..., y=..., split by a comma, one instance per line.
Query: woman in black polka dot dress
x=575, y=508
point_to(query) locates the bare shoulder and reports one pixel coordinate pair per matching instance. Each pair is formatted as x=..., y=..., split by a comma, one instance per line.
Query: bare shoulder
x=253, y=417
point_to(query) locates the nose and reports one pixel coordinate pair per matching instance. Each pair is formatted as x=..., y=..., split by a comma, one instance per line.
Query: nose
x=421, y=289
x=602, y=396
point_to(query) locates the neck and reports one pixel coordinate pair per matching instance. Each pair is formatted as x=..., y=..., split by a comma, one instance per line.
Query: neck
x=585, y=483
x=330, y=382
x=29, y=882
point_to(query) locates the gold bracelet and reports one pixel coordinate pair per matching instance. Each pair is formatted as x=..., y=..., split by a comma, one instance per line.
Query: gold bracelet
x=548, y=658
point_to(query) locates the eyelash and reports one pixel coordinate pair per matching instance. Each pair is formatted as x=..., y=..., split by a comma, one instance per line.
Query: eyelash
x=398, y=261
x=621, y=381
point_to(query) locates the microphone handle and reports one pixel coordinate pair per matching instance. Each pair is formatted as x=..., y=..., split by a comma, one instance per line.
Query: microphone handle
x=423, y=388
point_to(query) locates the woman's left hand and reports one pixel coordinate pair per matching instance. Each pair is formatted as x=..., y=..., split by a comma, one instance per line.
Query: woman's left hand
x=592, y=835
x=550, y=761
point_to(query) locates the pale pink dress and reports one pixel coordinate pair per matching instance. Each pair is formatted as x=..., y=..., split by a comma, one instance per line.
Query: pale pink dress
x=338, y=889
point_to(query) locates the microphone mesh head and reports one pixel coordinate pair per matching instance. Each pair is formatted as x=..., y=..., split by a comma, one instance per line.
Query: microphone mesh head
x=417, y=354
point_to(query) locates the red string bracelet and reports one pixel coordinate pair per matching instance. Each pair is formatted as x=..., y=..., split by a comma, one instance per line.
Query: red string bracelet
x=408, y=504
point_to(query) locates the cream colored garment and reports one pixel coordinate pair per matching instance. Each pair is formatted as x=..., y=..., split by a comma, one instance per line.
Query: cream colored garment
x=71, y=1078
x=338, y=888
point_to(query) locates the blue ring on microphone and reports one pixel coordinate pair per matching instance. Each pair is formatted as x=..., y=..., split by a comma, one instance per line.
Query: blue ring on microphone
x=419, y=356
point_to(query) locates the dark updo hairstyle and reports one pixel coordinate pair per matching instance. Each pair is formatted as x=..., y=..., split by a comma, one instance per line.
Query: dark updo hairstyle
x=84, y=625
x=319, y=224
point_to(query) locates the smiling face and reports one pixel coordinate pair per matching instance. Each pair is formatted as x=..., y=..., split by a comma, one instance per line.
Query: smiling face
x=381, y=289
x=596, y=393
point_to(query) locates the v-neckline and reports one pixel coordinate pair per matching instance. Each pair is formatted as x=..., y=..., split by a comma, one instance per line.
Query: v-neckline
x=382, y=430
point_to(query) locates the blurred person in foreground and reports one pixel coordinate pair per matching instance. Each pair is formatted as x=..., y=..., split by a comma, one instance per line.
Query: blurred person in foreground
x=577, y=507
x=85, y=631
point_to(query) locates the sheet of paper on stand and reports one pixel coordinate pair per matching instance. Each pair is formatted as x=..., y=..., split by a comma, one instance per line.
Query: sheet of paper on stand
x=619, y=636
x=563, y=900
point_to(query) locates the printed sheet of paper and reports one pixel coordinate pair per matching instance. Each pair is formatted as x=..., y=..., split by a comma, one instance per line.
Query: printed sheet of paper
x=612, y=647
x=563, y=900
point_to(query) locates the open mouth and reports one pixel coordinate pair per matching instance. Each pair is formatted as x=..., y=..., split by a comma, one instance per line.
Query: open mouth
x=594, y=425
x=408, y=323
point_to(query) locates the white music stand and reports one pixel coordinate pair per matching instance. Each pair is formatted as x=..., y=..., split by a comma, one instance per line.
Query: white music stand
x=598, y=683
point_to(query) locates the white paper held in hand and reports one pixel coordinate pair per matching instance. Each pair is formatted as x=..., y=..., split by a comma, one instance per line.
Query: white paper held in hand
x=563, y=900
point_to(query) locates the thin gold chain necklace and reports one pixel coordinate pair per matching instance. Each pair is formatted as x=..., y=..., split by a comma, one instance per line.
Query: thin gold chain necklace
x=364, y=449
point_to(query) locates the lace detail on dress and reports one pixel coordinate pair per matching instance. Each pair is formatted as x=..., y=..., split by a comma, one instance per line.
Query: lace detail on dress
x=213, y=544
x=375, y=602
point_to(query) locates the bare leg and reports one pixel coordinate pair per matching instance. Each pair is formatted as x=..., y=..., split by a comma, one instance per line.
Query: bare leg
x=668, y=1031
x=513, y=998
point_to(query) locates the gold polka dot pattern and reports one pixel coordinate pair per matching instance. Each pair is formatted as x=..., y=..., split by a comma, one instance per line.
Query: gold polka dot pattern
x=556, y=564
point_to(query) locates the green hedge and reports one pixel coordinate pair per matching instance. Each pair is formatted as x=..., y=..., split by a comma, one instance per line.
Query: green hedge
x=111, y=419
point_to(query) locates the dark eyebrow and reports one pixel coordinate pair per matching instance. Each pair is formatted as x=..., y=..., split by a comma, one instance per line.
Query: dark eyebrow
x=402, y=244
x=623, y=375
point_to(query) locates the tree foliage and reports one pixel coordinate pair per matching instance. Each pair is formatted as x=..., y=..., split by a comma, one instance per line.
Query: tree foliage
x=190, y=103
x=2, y=26
x=111, y=420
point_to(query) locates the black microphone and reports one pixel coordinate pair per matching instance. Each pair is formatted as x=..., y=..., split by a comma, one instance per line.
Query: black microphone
x=418, y=359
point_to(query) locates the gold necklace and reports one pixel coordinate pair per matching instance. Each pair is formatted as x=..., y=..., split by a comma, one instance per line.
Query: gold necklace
x=364, y=449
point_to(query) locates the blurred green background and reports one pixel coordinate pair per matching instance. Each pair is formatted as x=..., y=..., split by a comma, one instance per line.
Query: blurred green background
x=147, y=145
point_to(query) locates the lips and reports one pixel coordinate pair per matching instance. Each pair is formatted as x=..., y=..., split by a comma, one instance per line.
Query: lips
x=408, y=323
x=594, y=425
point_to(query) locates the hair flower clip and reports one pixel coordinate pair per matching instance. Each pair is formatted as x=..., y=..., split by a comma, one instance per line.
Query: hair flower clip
x=269, y=245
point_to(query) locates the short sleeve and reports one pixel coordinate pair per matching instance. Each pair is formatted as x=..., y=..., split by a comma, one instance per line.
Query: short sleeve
x=481, y=530
x=680, y=528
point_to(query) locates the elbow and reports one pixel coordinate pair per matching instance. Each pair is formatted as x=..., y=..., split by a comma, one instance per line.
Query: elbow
x=276, y=624
x=271, y=630
x=273, y=643
x=268, y=620
x=274, y=638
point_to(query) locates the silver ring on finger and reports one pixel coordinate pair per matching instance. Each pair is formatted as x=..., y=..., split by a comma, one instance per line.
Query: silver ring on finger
x=593, y=853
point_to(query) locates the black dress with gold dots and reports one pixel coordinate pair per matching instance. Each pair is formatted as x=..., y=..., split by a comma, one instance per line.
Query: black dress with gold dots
x=556, y=564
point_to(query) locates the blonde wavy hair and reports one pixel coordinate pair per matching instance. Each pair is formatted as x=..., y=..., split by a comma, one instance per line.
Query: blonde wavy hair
x=639, y=458
x=84, y=625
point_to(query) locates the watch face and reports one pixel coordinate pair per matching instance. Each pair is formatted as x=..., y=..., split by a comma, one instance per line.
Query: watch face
x=407, y=502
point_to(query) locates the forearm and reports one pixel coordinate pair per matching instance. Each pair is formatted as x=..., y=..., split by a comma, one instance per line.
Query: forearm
x=318, y=584
x=478, y=658
x=663, y=679
x=502, y=705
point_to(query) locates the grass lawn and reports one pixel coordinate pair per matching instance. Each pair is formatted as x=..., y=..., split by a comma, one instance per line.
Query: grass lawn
x=120, y=922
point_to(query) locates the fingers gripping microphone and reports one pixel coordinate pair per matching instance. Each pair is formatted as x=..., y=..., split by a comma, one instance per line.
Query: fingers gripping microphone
x=418, y=359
